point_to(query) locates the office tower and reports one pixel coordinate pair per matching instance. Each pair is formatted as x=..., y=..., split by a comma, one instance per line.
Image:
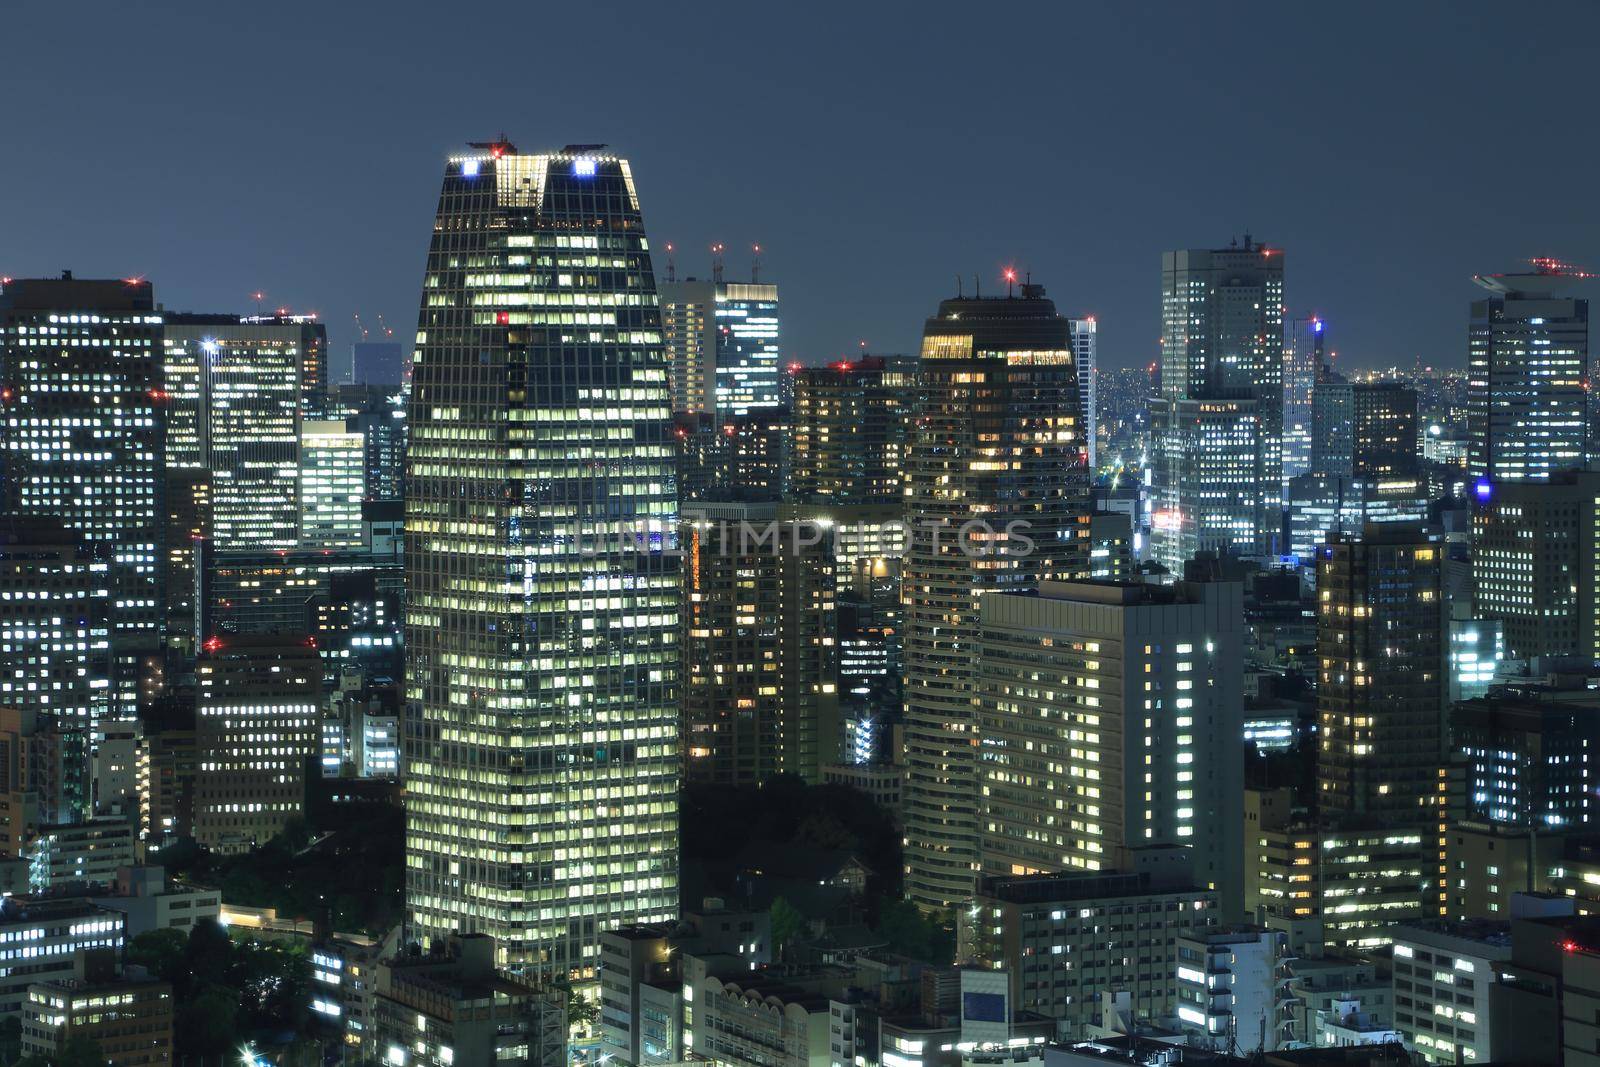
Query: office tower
x=83, y=434
x=379, y=414
x=730, y=458
x=45, y=779
x=541, y=725
x=1109, y=717
x=996, y=500
x=333, y=483
x=871, y=659
x=236, y=390
x=1380, y=687
x=379, y=363
x=1218, y=419
x=1365, y=466
x=1534, y=564
x=1477, y=648
x=849, y=426
x=282, y=592
x=1527, y=756
x=760, y=649
x=255, y=735
x=1527, y=361
x=1304, y=355
x=722, y=344
x=55, y=622
x=1085, y=334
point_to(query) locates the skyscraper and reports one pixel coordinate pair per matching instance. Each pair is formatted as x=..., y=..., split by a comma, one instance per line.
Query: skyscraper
x=847, y=441
x=1381, y=686
x=996, y=501
x=83, y=434
x=760, y=648
x=1303, y=357
x=1527, y=358
x=541, y=723
x=1535, y=568
x=333, y=483
x=237, y=391
x=1085, y=342
x=379, y=363
x=1218, y=422
x=722, y=340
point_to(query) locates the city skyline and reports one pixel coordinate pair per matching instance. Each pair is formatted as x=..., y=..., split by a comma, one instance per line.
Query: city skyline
x=857, y=256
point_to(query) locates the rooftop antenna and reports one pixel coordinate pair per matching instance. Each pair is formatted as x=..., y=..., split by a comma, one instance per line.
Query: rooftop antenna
x=672, y=264
x=959, y=292
x=262, y=296
x=1010, y=275
x=716, y=262
x=977, y=288
x=755, y=265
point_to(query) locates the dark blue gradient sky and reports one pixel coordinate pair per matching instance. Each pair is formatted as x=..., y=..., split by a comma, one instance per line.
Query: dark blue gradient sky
x=874, y=149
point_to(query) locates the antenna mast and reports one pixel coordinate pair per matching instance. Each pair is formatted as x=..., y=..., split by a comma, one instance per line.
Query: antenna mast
x=755, y=265
x=716, y=262
x=672, y=265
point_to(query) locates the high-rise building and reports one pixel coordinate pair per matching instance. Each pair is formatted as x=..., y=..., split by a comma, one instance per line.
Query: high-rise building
x=255, y=735
x=1534, y=566
x=82, y=431
x=1303, y=356
x=236, y=394
x=996, y=500
x=1527, y=361
x=55, y=622
x=1085, y=345
x=722, y=342
x=1381, y=683
x=1109, y=717
x=848, y=432
x=731, y=458
x=379, y=414
x=760, y=669
x=1364, y=466
x=333, y=484
x=541, y=720
x=1218, y=420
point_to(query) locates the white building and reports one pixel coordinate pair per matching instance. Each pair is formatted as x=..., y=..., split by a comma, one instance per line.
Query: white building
x=1231, y=987
x=1443, y=973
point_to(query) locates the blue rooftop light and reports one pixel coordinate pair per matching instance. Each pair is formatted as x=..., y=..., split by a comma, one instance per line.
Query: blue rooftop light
x=583, y=168
x=1317, y=326
x=1483, y=489
x=469, y=168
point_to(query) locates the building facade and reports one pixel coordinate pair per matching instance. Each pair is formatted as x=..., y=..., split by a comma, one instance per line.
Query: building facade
x=1109, y=717
x=996, y=500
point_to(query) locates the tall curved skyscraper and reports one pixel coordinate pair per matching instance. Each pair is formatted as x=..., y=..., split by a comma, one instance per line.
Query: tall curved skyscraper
x=996, y=500
x=541, y=752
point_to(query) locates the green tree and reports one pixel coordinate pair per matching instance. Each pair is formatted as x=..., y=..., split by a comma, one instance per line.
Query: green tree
x=787, y=924
x=207, y=1024
x=81, y=1050
x=161, y=952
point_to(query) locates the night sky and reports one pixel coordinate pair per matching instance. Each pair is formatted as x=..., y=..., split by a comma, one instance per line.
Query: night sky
x=875, y=150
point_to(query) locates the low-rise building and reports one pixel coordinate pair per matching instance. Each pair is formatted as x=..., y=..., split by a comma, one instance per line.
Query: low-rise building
x=127, y=1016
x=454, y=1008
x=1065, y=938
x=40, y=938
x=344, y=973
x=1232, y=987
x=151, y=902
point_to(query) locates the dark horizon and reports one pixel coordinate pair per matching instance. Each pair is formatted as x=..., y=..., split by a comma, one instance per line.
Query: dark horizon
x=874, y=153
